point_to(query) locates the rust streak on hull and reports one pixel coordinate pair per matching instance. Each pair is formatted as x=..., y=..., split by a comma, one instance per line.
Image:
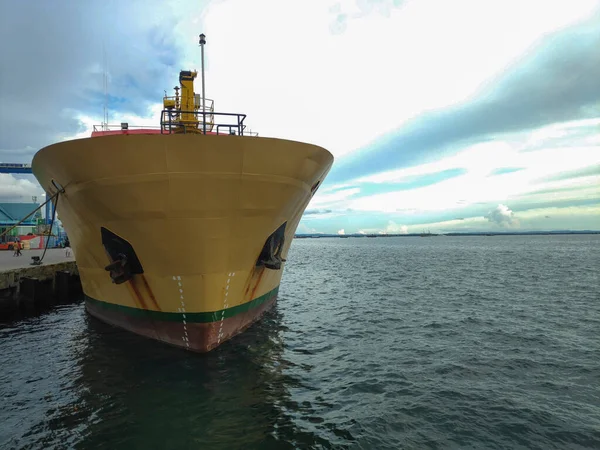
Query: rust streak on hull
x=136, y=294
x=253, y=293
x=150, y=293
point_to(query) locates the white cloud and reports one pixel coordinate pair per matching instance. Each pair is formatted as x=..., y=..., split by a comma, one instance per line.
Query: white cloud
x=333, y=200
x=341, y=232
x=512, y=151
x=503, y=216
x=279, y=63
x=305, y=229
x=19, y=190
x=394, y=228
x=479, y=160
x=573, y=218
x=152, y=120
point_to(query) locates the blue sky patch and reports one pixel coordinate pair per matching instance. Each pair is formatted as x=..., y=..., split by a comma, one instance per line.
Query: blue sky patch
x=412, y=182
x=504, y=170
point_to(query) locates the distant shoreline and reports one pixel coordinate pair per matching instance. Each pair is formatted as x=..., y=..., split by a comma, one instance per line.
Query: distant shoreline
x=508, y=233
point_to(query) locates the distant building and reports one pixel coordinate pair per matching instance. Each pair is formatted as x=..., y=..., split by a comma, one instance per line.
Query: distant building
x=12, y=213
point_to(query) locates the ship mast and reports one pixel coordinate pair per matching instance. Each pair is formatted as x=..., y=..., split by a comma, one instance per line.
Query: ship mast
x=202, y=42
x=180, y=113
x=105, y=87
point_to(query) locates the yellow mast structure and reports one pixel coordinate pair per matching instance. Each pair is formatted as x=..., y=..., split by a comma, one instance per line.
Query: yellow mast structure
x=189, y=118
x=185, y=108
x=188, y=110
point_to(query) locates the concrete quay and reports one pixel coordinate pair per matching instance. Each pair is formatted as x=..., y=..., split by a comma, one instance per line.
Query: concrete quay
x=26, y=288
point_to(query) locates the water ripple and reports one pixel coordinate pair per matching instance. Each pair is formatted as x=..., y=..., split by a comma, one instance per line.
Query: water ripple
x=466, y=342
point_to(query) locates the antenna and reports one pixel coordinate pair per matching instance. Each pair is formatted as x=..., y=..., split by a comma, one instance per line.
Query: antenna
x=202, y=41
x=105, y=88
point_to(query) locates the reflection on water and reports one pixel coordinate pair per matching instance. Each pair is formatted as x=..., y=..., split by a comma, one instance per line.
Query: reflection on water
x=108, y=388
x=148, y=395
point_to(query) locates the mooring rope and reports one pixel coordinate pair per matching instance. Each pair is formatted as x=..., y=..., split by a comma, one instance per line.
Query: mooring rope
x=32, y=212
x=51, y=225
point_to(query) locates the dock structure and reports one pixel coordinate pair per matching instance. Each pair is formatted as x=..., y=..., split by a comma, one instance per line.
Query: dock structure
x=25, y=288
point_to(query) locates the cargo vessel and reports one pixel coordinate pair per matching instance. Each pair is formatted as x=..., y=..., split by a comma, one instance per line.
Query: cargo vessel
x=181, y=231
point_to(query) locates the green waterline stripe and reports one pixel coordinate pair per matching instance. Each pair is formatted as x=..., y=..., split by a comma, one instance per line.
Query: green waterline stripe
x=193, y=317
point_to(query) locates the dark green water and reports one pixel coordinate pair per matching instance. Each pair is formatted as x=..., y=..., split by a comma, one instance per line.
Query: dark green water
x=445, y=342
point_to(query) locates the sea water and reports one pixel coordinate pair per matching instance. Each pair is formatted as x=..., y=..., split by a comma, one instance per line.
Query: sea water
x=388, y=343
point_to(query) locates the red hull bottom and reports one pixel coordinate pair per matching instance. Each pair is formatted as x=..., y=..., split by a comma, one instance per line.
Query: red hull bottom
x=197, y=337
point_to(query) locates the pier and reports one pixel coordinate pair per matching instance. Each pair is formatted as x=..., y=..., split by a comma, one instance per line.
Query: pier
x=26, y=288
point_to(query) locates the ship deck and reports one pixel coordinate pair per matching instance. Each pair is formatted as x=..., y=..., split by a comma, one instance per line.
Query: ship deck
x=214, y=123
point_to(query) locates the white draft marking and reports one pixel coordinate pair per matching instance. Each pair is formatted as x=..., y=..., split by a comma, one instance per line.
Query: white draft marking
x=185, y=338
x=225, y=306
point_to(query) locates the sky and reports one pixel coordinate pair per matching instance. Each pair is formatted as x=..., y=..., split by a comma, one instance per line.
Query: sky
x=442, y=115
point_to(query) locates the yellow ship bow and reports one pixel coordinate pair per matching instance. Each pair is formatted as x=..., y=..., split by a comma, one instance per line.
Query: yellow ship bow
x=181, y=233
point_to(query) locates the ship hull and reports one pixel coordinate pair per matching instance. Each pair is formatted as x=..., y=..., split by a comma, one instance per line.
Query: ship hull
x=189, y=333
x=194, y=216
